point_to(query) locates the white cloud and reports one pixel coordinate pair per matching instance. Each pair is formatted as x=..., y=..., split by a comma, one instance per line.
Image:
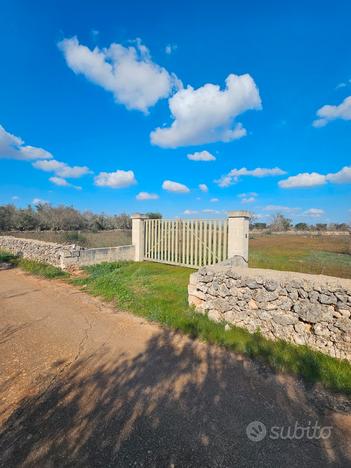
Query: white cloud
x=304, y=179
x=258, y=172
x=249, y=197
x=117, y=179
x=39, y=201
x=233, y=176
x=328, y=113
x=203, y=187
x=170, y=48
x=175, y=187
x=63, y=183
x=314, y=212
x=61, y=169
x=12, y=147
x=249, y=194
x=214, y=200
x=284, y=208
x=190, y=212
x=15, y=198
x=225, y=181
x=314, y=179
x=146, y=196
x=201, y=156
x=246, y=200
x=207, y=114
x=341, y=177
x=128, y=72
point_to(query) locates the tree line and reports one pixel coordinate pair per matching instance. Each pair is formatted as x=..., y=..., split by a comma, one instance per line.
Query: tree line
x=45, y=217
x=281, y=223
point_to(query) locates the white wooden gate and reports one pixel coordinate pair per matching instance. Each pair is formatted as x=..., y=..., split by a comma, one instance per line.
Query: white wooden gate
x=191, y=243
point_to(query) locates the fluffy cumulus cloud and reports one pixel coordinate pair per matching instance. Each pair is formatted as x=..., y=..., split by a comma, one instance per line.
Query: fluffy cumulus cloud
x=314, y=212
x=313, y=179
x=147, y=196
x=13, y=147
x=201, y=156
x=117, y=179
x=341, y=177
x=304, y=179
x=248, y=197
x=61, y=169
x=61, y=182
x=127, y=72
x=203, y=187
x=233, y=176
x=172, y=186
x=207, y=114
x=190, y=212
x=328, y=113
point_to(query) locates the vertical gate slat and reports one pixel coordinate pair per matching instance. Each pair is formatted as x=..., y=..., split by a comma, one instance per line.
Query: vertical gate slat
x=209, y=244
x=192, y=243
x=183, y=242
x=215, y=235
x=196, y=241
x=225, y=241
x=220, y=241
x=173, y=241
x=200, y=243
x=187, y=242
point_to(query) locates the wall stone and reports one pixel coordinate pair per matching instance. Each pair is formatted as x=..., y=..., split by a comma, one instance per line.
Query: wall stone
x=64, y=256
x=303, y=309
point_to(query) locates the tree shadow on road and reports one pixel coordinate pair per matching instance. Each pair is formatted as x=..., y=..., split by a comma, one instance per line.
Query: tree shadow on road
x=179, y=403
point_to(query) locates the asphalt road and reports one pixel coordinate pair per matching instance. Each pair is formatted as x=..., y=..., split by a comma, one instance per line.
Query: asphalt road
x=82, y=385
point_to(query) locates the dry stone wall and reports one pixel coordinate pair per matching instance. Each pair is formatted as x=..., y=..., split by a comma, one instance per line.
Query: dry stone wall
x=47, y=252
x=64, y=256
x=300, y=308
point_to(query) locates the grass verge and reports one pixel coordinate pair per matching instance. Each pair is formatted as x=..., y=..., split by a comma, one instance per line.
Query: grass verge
x=159, y=293
x=36, y=268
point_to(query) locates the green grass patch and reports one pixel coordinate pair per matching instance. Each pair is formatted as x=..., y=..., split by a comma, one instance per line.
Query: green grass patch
x=327, y=255
x=36, y=268
x=159, y=293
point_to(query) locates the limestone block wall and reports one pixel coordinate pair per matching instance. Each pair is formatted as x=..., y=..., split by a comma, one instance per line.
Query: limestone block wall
x=300, y=308
x=64, y=256
x=46, y=252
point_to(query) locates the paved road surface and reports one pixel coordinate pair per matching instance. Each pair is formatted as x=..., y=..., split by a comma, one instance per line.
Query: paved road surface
x=82, y=385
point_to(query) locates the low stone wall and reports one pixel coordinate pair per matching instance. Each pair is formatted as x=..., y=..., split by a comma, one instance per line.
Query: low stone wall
x=300, y=308
x=47, y=252
x=64, y=256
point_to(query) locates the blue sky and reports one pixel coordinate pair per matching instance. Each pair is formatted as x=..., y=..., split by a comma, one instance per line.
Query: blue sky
x=262, y=87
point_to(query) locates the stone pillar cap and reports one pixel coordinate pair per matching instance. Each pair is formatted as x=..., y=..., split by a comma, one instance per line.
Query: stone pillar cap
x=239, y=214
x=138, y=216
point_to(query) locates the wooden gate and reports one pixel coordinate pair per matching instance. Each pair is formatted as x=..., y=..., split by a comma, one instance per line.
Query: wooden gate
x=191, y=243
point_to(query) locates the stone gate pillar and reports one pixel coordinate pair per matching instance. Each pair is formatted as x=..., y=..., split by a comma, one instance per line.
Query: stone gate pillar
x=238, y=234
x=138, y=235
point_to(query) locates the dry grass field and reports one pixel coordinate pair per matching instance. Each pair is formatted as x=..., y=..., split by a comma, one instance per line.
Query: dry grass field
x=327, y=255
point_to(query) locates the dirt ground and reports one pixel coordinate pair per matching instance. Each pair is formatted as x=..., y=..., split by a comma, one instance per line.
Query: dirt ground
x=84, y=385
